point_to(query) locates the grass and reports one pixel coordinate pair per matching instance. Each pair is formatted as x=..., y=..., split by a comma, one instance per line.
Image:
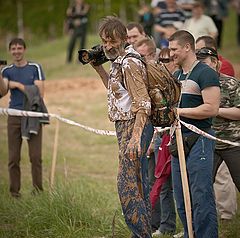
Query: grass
x=84, y=201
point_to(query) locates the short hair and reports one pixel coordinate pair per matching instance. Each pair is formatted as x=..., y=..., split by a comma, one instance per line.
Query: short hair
x=112, y=26
x=164, y=51
x=18, y=41
x=209, y=41
x=131, y=25
x=149, y=42
x=183, y=37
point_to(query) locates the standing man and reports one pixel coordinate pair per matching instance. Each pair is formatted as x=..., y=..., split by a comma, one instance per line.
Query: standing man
x=129, y=106
x=19, y=75
x=135, y=32
x=78, y=21
x=199, y=103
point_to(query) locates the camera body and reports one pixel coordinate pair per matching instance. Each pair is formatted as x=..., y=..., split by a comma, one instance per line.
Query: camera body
x=3, y=62
x=96, y=53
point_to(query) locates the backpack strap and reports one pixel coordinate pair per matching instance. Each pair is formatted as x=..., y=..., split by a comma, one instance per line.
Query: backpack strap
x=128, y=56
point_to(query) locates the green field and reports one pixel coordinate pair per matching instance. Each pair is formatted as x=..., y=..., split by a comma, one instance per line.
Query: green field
x=84, y=202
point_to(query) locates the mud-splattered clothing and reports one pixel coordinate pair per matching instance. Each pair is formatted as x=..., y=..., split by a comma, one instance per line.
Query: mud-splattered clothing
x=133, y=187
x=127, y=92
x=129, y=106
x=227, y=129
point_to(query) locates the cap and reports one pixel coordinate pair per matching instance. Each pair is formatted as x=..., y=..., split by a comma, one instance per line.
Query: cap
x=205, y=52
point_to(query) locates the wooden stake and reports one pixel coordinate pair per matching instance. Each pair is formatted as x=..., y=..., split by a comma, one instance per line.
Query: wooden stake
x=184, y=178
x=54, y=155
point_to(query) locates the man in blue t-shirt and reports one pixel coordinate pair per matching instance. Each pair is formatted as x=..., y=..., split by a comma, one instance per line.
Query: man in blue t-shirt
x=198, y=105
x=18, y=75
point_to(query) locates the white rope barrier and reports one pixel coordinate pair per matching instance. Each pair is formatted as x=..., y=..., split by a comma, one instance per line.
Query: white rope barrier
x=14, y=112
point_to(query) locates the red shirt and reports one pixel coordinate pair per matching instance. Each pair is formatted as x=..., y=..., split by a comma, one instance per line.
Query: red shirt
x=226, y=67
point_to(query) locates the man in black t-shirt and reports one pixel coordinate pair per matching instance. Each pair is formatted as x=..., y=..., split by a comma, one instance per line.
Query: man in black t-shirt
x=198, y=105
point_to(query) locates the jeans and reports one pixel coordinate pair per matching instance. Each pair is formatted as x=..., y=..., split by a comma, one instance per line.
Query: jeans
x=165, y=207
x=168, y=214
x=133, y=187
x=199, y=165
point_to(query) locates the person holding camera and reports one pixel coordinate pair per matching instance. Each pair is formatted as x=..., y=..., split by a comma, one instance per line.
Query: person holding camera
x=199, y=103
x=25, y=80
x=129, y=107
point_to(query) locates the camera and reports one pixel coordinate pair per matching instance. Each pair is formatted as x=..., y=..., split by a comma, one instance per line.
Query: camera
x=96, y=54
x=3, y=62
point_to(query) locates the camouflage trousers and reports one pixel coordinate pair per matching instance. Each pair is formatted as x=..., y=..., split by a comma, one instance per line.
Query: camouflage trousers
x=133, y=187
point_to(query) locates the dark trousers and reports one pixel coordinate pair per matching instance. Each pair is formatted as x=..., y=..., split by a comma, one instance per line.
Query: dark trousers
x=14, y=152
x=219, y=25
x=231, y=157
x=79, y=32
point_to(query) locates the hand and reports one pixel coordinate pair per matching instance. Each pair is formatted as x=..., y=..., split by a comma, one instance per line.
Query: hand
x=13, y=84
x=133, y=150
x=150, y=149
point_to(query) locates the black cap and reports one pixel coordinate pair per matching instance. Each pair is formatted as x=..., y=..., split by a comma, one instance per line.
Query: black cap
x=205, y=52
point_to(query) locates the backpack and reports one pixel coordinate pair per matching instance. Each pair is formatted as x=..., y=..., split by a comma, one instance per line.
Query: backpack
x=164, y=91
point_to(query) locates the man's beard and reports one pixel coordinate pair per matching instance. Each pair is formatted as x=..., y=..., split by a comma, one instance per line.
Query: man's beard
x=113, y=53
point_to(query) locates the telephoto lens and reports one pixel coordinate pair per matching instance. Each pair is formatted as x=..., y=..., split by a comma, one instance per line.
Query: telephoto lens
x=96, y=54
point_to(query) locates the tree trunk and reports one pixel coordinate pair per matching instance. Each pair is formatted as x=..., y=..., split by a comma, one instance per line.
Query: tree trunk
x=20, y=19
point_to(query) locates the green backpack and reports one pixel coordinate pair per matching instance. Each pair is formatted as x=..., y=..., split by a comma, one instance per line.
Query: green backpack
x=164, y=90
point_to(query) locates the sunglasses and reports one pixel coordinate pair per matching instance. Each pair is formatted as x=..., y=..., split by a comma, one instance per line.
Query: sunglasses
x=164, y=60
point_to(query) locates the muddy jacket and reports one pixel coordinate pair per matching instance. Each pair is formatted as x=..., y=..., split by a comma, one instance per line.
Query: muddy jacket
x=127, y=92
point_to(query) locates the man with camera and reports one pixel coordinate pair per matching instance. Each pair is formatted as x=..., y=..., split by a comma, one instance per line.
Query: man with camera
x=129, y=107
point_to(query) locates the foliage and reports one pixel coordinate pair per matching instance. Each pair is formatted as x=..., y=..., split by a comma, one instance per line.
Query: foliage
x=45, y=18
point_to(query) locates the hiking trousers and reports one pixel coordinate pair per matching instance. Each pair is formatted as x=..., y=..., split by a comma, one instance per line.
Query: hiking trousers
x=133, y=186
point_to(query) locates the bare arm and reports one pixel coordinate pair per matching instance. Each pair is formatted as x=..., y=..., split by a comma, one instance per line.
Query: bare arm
x=14, y=84
x=40, y=84
x=231, y=113
x=102, y=73
x=160, y=29
x=209, y=108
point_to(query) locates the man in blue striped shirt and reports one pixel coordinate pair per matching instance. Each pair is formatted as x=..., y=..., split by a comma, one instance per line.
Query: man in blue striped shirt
x=19, y=74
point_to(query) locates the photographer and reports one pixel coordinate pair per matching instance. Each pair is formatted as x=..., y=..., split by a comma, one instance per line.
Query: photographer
x=129, y=107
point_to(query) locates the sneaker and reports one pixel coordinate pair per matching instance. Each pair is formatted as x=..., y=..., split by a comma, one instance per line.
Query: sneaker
x=179, y=235
x=157, y=233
